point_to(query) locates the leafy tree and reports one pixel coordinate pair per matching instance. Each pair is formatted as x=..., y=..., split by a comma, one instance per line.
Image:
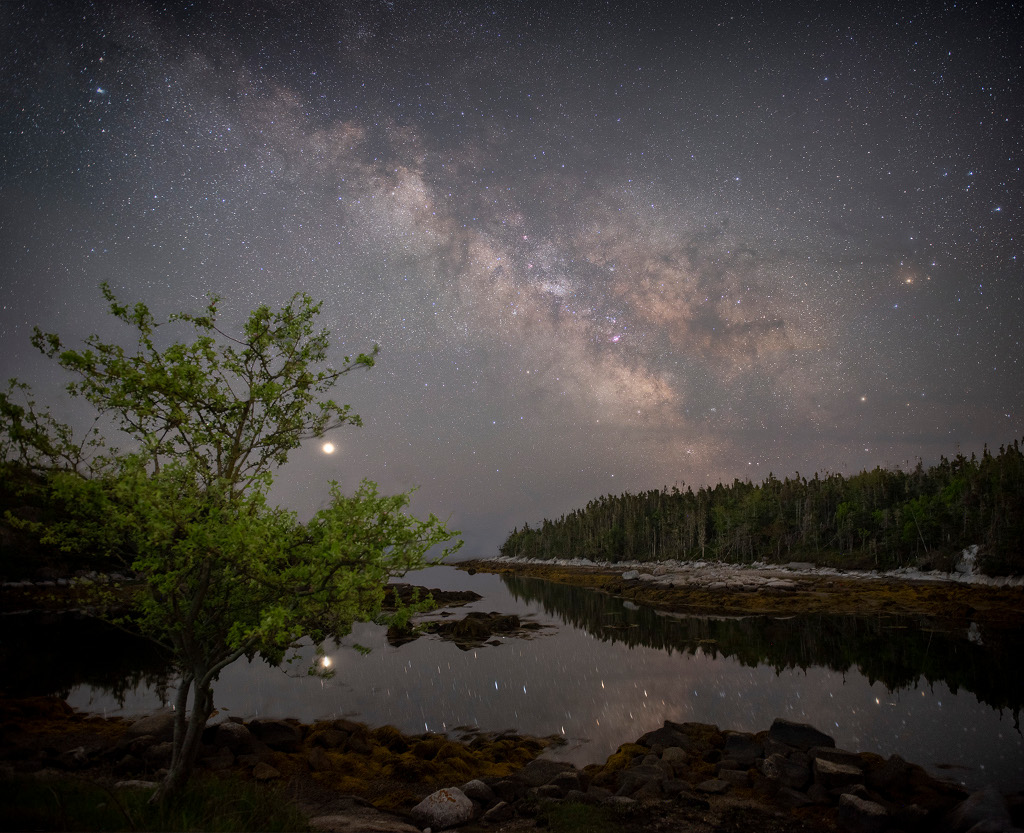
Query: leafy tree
x=210, y=419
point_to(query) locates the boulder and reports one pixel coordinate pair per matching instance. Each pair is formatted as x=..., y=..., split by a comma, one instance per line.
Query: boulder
x=159, y=725
x=675, y=758
x=669, y=735
x=786, y=772
x=832, y=776
x=798, y=735
x=477, y=790
x=265, y=772
x=443, y=809
x=857, y=815
x=234, y=736
x=713, y=786
x=986, y=805
x=542, y=771
x=742, y=748
x=500, y=812
x=277, y=734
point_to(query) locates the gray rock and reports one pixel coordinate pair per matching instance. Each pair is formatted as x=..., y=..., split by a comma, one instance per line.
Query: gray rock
x=837, y=756
x=631, y=575
x=791, y=798
x=135, y=784
x=985, y=805
x=569, y=780
x=443, y=809
x=234, y=736
x=713, y=786
x=620, y=802
x=159, y=754
x=786, y=772
x=736, y=777
x=159, y=725
x=857, y=815
x=580, y=797
x=541, y=771
x=548, y=791
x=265, y=772
x=671, y=734
x=629, y=781
x=477, y=790
x=831, y=775
x=502, y=811
x=798, y=735
x=742, y=748
x=277, y=734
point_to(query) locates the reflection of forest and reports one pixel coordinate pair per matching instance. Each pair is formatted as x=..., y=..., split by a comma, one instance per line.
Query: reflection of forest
x=896, y=651
x=50, y=654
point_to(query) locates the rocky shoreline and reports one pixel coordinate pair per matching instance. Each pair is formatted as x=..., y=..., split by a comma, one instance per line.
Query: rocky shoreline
x=345, y=776
x=715, y=588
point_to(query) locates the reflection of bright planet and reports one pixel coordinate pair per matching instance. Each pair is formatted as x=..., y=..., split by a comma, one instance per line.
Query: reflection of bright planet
x=328, y=448
x=326, y=661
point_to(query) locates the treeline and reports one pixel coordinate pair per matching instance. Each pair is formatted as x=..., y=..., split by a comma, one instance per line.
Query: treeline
x=883, y=518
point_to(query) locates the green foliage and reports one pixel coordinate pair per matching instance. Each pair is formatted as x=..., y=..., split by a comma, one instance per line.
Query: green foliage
x=209, y=420
x=876, y=519
x=209, y=804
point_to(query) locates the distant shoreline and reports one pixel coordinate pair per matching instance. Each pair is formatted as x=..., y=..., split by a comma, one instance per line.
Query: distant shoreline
x=701, y=588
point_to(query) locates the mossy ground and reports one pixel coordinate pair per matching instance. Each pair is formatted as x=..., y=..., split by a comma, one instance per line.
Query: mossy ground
x=944, y=601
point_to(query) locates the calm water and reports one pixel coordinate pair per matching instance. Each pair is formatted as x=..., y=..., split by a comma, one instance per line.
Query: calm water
x=606, y=671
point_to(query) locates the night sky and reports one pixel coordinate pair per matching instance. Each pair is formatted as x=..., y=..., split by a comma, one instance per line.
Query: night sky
x=601, y=249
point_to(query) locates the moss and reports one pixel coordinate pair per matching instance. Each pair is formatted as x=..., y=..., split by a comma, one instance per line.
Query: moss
x=391, y=738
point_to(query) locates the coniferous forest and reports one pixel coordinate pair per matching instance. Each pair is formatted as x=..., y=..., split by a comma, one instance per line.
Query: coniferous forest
x=878, y=519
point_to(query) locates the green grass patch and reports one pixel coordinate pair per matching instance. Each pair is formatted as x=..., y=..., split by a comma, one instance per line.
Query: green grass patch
x=216, y=804
x=581, y=818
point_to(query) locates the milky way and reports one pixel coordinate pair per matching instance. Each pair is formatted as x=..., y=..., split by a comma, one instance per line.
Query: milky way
x=600, y=250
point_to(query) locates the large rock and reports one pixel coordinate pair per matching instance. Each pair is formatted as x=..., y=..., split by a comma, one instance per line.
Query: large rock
x=235, y=737
x=798, y=735
x=786, y=772
x=671, y=734
x=742, y=748
x=159, y=726
x=832, y=776
x=541, y=771
x=445, y=808
x=858, y=815
x=277, y=734
x=986, y=806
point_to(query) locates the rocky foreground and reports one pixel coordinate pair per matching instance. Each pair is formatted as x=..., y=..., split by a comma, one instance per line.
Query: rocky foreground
x=681, y=777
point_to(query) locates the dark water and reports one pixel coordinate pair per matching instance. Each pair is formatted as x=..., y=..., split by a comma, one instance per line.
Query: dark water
x=607, y=671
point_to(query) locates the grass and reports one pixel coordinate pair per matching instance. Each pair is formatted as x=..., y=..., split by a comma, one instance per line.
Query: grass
x=216, y=804
x=581, y=818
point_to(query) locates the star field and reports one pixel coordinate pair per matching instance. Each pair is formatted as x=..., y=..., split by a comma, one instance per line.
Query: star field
x=600, y=249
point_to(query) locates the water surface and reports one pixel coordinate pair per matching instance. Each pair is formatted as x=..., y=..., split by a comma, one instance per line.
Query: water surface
x=606, y=671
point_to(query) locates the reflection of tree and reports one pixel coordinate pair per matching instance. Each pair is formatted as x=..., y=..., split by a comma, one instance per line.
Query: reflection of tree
x=50, y=654
x=896, y=651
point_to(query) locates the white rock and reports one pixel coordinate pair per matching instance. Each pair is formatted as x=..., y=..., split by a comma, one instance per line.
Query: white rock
x=445, y=808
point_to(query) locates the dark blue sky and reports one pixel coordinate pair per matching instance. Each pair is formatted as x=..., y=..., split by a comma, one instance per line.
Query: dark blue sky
x=600, y=249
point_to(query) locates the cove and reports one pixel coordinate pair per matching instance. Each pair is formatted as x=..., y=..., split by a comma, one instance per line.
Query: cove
x=603, y=671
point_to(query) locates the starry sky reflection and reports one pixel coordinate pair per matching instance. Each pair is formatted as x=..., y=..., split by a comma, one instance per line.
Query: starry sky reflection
x=600, y=249
x=599, y=694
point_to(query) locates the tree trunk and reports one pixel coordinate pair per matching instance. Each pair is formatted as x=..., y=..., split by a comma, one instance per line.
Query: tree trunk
x=187, y=737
